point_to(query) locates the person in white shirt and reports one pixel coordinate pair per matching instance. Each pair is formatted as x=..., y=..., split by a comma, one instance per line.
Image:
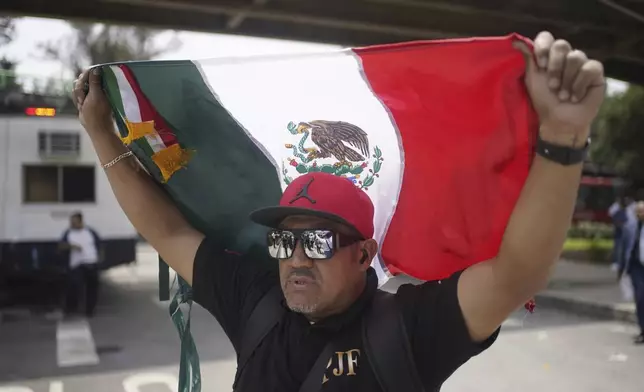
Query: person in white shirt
x=83, y=245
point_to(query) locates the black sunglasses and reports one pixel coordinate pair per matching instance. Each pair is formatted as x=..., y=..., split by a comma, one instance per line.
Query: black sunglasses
x=318, y=244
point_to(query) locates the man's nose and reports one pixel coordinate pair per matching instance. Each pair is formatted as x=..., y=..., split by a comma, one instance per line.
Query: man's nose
x=299, y=258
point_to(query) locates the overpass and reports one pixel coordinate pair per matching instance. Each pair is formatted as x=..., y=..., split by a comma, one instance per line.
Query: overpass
x=611, y=30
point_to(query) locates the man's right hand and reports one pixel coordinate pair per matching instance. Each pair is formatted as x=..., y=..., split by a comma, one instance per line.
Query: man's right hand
x=149, y=209
x=94, y=111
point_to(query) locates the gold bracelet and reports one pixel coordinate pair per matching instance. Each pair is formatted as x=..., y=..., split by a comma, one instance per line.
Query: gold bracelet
x=117, y=159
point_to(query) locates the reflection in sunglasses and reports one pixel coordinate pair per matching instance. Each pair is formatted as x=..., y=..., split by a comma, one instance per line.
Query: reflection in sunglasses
x=317, y=244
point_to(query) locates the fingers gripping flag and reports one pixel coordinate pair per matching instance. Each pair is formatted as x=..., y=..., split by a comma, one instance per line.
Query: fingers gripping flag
x=439, y=134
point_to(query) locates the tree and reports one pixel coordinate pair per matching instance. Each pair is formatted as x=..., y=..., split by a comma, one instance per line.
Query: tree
x=8, y=80
x=7, y=29
x=91, y=43
x=619, y=134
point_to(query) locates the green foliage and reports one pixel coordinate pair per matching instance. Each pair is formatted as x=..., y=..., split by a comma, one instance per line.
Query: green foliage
x=592, y=248
x=8, y=79
x=377, y=165
x=619, y=134
x=584, y=244
x=7, y=30
x=591, y=230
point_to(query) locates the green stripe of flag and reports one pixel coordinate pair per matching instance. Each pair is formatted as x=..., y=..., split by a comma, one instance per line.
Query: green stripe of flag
x=224, y=155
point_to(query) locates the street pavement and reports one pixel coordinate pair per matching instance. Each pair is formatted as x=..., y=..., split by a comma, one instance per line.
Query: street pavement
x=589, y=289
x=132, y=346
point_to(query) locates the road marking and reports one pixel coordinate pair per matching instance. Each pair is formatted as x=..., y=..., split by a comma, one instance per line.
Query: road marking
x=56, y=386
x=15, y=389
x=618, y=357
x=618, y=329
x=75, y=344
x=136, y=381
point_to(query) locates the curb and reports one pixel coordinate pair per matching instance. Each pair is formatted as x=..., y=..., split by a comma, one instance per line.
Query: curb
x=579, y=307
x=586, y=308
x=12, y=314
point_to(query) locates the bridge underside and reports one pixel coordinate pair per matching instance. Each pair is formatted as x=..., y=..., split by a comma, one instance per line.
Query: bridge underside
x=611, y=30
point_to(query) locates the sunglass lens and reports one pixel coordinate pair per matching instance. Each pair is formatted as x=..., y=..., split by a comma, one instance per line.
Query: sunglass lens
x=281, y=244
x=318, y=244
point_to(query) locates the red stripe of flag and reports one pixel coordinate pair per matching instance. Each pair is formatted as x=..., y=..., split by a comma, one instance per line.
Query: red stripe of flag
x=148, y=113
x=467, y=129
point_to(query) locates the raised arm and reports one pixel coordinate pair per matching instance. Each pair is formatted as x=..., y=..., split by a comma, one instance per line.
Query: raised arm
x=148, y=208
x=566, y=90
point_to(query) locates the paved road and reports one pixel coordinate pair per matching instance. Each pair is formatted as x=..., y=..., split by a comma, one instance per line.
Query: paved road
x=133, y=347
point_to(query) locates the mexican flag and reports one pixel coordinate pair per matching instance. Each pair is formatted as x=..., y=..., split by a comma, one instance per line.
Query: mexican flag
x=439, y=134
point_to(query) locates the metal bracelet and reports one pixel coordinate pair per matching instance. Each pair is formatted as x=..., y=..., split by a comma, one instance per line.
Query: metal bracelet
x=117, y=159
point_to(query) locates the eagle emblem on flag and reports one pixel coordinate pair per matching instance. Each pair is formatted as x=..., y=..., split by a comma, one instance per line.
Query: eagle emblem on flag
x=338, y=148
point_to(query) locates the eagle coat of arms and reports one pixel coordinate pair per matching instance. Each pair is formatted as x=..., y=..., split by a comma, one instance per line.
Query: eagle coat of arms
x=338, y=148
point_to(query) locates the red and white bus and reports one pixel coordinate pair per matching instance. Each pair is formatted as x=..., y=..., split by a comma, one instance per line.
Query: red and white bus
x=598, y=191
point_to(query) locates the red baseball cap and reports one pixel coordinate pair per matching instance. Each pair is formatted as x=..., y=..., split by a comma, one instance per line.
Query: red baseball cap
x=322, y=195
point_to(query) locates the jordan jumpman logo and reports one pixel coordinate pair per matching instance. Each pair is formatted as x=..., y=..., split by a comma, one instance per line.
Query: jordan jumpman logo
x=304, y=193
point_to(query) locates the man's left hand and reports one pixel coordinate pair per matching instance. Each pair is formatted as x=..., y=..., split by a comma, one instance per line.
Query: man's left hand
x=566, y=89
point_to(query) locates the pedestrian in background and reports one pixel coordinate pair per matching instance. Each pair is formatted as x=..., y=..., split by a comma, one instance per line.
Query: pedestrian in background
x=619, y=216
x=633, y=264
x=83, y=245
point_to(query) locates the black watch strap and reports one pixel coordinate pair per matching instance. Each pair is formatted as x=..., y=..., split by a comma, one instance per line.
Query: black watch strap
x=562, y=154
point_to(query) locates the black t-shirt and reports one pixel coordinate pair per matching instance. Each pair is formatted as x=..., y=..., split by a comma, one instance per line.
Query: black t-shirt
x=230, y=285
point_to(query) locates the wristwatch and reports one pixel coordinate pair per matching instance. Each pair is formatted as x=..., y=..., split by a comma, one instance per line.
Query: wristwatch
x=562, y=154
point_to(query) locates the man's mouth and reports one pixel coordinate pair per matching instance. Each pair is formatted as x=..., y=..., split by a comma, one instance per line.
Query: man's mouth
x=301, y=282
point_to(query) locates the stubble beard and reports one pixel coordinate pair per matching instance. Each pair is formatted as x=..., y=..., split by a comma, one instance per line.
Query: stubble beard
x=303, y=307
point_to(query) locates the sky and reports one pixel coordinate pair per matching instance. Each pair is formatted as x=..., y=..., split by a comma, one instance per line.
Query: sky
x=32, y=31
x=194, y=46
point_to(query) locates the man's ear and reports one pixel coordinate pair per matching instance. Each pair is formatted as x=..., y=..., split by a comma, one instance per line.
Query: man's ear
x=370, y=249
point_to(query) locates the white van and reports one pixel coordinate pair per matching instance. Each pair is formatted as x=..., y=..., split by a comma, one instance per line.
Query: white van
x=48, y=171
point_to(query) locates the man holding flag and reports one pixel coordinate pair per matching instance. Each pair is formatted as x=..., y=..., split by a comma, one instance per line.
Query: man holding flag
x=322, y=234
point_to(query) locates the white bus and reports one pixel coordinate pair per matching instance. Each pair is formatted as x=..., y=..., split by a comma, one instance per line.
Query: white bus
x=48, y=171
